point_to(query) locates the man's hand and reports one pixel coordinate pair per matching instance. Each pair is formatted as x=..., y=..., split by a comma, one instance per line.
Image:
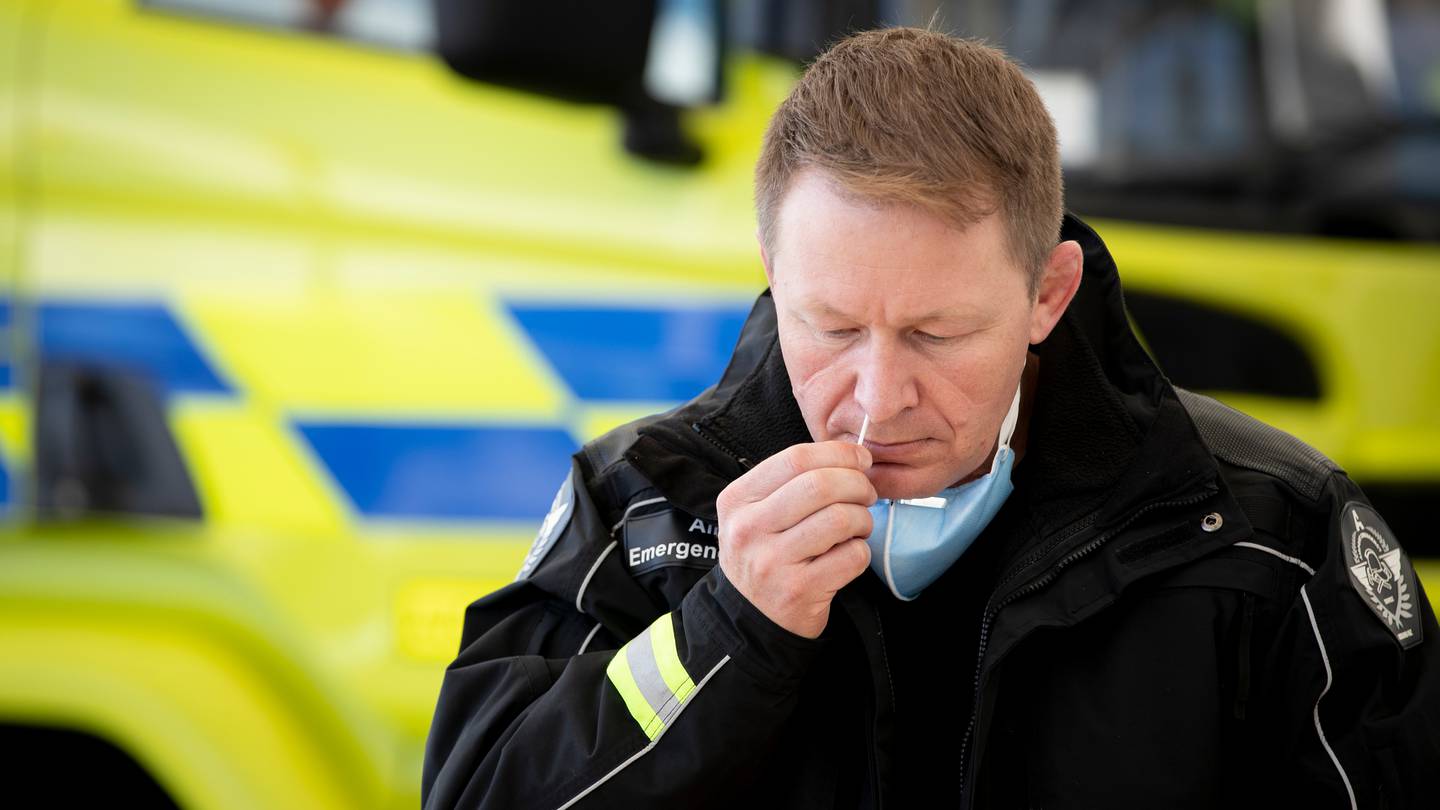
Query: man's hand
x=793, y=529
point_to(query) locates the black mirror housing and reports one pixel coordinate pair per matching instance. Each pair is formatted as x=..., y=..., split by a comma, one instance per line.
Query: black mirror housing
x=576, y=50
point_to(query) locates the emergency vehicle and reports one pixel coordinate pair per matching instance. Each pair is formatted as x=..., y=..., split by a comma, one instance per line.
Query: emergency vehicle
x=307, y=302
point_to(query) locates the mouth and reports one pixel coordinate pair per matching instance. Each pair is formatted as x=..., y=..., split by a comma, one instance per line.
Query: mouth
x=895, y=451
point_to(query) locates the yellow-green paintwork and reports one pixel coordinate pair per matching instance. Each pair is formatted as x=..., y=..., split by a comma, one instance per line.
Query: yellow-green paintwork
x=267, y=186
x=1365, y=311
x=332, y=225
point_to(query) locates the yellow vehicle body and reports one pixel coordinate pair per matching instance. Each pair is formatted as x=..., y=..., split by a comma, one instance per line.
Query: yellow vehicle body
x=347, y=246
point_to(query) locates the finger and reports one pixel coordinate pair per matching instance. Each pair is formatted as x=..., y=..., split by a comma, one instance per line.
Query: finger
x=840, y=565
x=772, y=473
x=818, y=533
x=809, y=492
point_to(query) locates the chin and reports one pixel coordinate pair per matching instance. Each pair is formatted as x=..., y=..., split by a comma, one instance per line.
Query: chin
x=904, y=481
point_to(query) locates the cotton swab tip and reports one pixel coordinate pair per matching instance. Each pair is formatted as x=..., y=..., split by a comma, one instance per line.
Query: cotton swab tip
x=864, y=426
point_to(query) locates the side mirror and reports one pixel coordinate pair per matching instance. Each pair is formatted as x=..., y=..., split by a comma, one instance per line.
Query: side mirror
x=647, y=58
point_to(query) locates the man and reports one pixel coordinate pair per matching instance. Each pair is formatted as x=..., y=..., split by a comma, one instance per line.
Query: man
x=1085, y=588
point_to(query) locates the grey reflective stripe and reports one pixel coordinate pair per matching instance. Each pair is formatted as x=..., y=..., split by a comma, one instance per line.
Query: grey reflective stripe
x=640, y=655
x=580, y=594
x=1329, y=680
x=586, y=643
x=647, y=749
x=1273, y=552
x=631, y=508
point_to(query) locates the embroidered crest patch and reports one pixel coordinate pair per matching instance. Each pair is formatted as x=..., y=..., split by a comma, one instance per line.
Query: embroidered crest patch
x=1380, y=571
x=551, y=528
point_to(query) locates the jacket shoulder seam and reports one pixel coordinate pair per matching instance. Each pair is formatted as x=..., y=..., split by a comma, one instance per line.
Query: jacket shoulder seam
x=1244, y=441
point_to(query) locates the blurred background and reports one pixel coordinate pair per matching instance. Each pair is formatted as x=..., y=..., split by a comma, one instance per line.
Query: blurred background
x=305, y=304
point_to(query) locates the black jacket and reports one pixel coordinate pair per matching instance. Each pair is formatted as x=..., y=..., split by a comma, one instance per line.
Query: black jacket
x=1192, y=610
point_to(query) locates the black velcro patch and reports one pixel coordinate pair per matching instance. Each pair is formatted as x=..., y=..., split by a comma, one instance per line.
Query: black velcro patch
x=1142, y=549
x=1380, y=571
x=669, y=537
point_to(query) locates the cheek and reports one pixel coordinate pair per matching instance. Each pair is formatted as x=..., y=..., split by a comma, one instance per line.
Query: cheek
x=953, y=395
x=974, y=383
x=819, y=380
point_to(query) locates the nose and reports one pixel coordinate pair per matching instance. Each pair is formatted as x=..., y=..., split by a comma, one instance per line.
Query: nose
x=885, y=382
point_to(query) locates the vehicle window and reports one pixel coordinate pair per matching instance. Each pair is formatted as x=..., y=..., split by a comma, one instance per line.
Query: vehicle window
x=1311, y=117
x=403, y=24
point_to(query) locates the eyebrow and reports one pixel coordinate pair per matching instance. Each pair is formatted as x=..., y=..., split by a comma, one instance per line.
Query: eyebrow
x=943, y=313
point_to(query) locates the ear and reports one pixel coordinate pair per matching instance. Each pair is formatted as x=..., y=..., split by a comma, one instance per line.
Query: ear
x=765, y=260
x=1058, y=285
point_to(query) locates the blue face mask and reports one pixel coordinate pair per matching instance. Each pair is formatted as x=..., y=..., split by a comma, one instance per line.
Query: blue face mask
x=915, y=540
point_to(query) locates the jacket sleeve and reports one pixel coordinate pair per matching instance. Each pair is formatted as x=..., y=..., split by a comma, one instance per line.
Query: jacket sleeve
x=1355, y=674
x=680, y=713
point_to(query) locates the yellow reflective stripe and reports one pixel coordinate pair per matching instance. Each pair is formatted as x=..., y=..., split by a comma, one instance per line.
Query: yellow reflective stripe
x=649, y=676
x=667, y=658
x=619, y=674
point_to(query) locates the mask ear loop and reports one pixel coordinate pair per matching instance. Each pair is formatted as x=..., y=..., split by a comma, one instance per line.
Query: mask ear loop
x=1007, y=427
x=889, y=526
x=889, y=576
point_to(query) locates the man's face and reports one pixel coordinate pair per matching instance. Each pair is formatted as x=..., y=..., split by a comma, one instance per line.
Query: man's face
x=892, y=312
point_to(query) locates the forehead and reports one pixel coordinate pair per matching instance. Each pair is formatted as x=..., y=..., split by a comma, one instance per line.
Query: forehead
x=836, y=255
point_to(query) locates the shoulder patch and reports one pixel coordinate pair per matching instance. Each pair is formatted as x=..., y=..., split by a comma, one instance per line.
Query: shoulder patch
x=669, y=537
x=552, y=527
x=1380, y=571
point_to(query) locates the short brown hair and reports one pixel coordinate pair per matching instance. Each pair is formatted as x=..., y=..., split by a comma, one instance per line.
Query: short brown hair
x=907, y=115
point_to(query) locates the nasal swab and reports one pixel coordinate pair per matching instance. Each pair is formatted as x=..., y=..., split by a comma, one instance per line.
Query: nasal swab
x=864, y=426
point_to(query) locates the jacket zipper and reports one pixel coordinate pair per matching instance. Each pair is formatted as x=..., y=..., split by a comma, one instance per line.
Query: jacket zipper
x=874, y=763
x=743, y=462
x=875, y=717
x=1035, y=585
